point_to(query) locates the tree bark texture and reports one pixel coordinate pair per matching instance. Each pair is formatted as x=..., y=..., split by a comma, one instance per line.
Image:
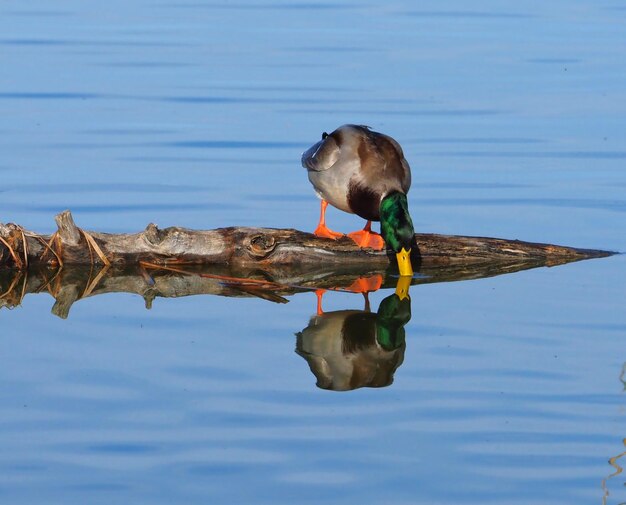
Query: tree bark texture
x=256, y=247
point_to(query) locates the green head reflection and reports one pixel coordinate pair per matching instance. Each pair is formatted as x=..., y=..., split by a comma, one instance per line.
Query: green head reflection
x=350, y=349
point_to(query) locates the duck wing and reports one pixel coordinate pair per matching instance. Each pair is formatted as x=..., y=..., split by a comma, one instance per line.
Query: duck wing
x=401, y=169
x=383, y=166
x=322, y=155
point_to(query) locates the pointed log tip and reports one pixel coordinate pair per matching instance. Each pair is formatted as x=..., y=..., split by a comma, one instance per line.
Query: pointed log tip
x=596, y=253
x=584, y=254
x=490, y=248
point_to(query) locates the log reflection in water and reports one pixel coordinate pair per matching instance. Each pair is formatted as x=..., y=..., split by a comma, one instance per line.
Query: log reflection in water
x=69, y=284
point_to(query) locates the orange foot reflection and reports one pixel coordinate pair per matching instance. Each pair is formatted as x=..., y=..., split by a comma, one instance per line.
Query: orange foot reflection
x=319, y=293
x=366, y=284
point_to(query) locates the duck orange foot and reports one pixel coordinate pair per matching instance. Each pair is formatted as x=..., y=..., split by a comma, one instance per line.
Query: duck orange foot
x=367, y=238
x=324, y=232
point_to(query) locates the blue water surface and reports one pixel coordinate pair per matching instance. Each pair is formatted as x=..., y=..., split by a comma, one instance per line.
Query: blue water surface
x=195, y=113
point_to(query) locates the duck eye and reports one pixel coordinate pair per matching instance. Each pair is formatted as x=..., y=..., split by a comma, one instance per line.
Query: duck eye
x=324, y=135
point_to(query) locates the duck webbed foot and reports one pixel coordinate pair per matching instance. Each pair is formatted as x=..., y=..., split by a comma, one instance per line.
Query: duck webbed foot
x=324, y=232
x=367, y=238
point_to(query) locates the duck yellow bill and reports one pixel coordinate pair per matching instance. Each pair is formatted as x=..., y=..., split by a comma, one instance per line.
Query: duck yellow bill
x=404, y=262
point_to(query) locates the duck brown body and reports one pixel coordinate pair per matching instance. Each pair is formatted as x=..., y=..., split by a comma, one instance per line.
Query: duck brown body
x=354, y=168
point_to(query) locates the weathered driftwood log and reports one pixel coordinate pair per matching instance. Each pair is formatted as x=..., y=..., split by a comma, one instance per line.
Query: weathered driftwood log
x=269, y=263
x=260, y=247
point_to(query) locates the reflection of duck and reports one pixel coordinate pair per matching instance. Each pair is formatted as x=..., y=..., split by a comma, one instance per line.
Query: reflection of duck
x=349, y=349
x=364, y=172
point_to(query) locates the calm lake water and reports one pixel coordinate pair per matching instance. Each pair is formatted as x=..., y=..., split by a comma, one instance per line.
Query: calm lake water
x=194, y=113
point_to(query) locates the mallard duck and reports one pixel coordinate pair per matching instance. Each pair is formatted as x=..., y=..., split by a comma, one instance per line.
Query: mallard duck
x=364, y=172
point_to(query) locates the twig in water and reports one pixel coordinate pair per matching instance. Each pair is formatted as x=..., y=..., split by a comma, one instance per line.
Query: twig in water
x=11, y=287
x=96, y=280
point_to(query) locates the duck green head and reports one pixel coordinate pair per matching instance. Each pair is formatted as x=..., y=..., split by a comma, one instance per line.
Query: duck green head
x=396, y=227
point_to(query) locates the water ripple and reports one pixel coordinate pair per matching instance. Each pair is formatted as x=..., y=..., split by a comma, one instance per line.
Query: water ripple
x=233, y=144
x=583, y=155
x=47, y=96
